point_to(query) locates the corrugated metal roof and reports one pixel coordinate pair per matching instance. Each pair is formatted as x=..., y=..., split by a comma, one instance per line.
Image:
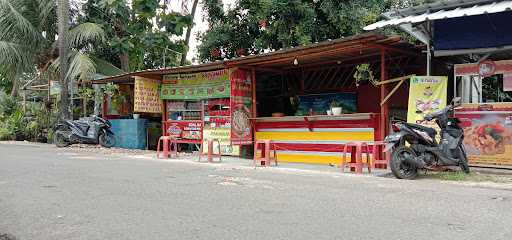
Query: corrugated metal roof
x=399, y=18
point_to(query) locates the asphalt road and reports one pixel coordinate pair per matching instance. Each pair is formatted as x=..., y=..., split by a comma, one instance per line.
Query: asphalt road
x=50, y=194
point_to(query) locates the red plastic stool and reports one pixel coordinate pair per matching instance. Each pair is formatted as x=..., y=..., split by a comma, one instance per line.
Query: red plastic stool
x=379, y=156
x=265, y=158
x=358, y=155
x=210, y=153
x=167, y=142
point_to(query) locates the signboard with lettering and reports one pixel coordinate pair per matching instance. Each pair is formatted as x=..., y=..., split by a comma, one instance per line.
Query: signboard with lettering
x=146, y=96
x=196, y=86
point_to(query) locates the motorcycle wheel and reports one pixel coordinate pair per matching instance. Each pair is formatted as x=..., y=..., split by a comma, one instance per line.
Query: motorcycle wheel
x=107, y=140
x=60, y=139
x=463, y=160
x=399, y=167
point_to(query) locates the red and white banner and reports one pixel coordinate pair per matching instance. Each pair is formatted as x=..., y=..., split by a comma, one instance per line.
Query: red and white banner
x=241, y=105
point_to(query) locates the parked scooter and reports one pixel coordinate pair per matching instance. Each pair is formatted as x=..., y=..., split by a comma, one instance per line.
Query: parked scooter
x=90, y=130
x=415, y=146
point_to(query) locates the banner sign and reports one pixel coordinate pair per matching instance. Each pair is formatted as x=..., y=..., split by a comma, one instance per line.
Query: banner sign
x=426, y=95
x=146, y=96
x=184, y=129
x=488, y=137
x=196, y=86
x=223, y=135
x=241, y=105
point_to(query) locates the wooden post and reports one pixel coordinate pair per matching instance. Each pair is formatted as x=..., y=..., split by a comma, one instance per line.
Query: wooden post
x=384, y=111
x=24, y=101
x=104, y=109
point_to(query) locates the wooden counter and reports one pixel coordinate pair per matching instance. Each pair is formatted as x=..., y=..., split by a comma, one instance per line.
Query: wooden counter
x=316, y=139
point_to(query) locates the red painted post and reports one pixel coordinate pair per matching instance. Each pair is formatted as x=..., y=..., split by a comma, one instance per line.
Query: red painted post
x=164, y=117
x=384, y=111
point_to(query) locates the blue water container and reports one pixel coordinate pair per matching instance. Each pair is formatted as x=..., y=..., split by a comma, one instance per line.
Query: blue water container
x=130, y=133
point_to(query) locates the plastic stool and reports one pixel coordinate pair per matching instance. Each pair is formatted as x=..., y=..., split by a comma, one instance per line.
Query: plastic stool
x=358, y=155
x=167, y=142
x=379, y=156
x=210, y=153
x=265, y=158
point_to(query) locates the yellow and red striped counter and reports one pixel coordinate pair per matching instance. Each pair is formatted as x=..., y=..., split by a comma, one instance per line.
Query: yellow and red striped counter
x=316, y=139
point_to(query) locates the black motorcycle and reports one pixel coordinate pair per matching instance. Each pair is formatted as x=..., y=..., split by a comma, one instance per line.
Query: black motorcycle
x=415, y=146
x=90, y=130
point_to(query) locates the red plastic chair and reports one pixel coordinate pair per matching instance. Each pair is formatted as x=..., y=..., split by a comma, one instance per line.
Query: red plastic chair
x=265, y=158
x=168, y=143
x=356, y=158
x=379, y=156
x=210, y=152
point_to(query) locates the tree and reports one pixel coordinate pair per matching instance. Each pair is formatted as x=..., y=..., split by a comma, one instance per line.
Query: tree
x=63, y=21
x=253, y=26
x=189, y=32
x=139, y=32
x=28, y=30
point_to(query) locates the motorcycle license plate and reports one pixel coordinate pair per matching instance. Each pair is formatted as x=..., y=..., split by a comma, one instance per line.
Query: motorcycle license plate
x=388, y=147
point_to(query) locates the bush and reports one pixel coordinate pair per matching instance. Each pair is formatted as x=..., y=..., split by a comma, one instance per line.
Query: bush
x=35, y=124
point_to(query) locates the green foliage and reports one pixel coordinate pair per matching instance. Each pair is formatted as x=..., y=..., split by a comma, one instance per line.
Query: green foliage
x=110, y=89
x=364, y=73
x=28, y=42
x=35, y=124
x=335, y=104
x=253, y=26
x=138, y=30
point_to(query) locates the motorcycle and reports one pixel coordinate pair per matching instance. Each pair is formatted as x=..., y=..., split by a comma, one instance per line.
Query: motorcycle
x=415, y=147
x=90, y=130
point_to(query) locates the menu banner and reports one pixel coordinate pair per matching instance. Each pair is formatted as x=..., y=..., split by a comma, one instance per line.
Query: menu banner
x=196, y=86
x=241, y=105
x=426, y=95
x=146, y=96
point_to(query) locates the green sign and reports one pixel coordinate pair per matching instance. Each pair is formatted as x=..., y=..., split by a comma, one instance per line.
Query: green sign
x=176, y=92
x=196, y=86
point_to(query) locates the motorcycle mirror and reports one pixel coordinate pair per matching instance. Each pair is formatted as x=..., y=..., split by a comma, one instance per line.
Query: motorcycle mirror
x=456, y=101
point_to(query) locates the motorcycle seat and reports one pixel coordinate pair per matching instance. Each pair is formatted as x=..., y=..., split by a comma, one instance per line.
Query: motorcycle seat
x=82, y=126
x=429, y=131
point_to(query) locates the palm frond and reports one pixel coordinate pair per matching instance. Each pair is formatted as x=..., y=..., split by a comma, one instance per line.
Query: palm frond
x=13, y=24
x=47, y=13
x=86, y=33
x=81, y=66
x=14, y=55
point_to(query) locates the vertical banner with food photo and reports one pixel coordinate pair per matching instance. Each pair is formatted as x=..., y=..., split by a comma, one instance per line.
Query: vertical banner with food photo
x=427, y=94
x=488, y=138
x=241, y=104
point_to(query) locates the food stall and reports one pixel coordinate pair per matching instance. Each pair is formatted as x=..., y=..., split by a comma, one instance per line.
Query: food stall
x=203, y=105
x=313, y=107
x=284, y=96
x=486, y=112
